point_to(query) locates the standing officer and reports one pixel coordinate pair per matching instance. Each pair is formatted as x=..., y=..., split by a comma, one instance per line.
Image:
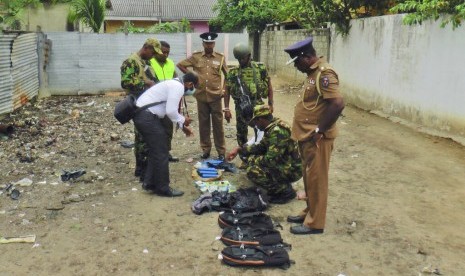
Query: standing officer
x=274, y=163
x=209, y=65
x=314, y=128
x=136, y=77
x=256, y=85
x=165, y=70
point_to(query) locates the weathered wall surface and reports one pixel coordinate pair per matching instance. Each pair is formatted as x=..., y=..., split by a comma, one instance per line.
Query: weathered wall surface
x=90, y=63
x=414, y=73
x=273, y=43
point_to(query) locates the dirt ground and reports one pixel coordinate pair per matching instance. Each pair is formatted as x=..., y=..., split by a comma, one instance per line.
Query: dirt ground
x=396, y=202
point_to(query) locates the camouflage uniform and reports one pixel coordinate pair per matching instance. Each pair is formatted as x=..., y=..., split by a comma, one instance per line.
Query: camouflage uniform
x=250, y=88
x=274, y=163
x=133, y=75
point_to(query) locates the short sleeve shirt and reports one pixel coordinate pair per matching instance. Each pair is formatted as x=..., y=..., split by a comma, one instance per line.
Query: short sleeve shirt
x=209, y=69
x=311, y=106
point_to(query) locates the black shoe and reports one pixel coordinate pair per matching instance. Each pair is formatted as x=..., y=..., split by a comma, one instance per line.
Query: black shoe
x=304, y=230
x=205, y=155
x=173, y=158
x=221, y=157
x=295, y=219
x=171, y=193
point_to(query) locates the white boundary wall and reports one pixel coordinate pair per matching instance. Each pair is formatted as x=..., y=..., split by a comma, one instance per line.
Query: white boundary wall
x=416, y=73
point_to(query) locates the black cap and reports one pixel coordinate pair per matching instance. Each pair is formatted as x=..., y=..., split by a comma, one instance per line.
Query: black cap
x=298, y=48
x=208, y=37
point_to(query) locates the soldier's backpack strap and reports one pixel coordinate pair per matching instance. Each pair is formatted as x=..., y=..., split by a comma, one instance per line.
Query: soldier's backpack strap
x=255, y=80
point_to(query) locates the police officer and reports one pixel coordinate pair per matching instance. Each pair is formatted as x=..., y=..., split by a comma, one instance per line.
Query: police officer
x=210, y=66
x=165, y=70
x=314, y=127
x=136, y=77
x=274, y=163
x=249, y=78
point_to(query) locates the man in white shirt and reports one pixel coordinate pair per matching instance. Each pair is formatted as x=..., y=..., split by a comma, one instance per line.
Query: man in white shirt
x=149, y=123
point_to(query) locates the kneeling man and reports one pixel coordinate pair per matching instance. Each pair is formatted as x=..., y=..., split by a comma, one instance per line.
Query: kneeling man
x=274, y=163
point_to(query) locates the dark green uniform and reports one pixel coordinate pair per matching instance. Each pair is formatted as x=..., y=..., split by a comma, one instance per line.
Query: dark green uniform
x=274, y=163
x=134, y=72
x=255, y=80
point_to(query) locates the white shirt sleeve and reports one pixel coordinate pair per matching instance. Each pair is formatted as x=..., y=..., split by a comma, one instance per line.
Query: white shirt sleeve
x=172, y=105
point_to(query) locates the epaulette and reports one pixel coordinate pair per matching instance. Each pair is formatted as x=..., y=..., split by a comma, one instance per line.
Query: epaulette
x=221, y=54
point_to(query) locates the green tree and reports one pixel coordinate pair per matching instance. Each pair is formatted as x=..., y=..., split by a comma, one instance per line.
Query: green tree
x=89, y=12
x=235, y=15
x=13, y=11
x=182, y=26
x=453, y=11
x=317, y=13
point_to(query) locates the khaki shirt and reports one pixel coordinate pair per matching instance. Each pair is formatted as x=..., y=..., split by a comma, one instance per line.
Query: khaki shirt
x=209, y=70
x=311, y=107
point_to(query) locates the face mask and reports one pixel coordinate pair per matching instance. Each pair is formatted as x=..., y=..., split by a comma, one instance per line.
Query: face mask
x=189, y=92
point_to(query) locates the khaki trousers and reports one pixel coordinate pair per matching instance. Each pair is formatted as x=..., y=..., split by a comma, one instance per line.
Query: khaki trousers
x=315, y=169
x=211, y=114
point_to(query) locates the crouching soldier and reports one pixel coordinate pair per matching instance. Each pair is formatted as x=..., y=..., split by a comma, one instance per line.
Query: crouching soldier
x=274, y=163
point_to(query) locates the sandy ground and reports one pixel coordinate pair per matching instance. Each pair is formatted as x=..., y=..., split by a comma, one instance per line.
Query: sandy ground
x=395, y=206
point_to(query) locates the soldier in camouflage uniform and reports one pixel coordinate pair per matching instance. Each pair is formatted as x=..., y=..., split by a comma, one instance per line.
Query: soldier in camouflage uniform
x=256, y=84
x=274, y=163
x=136, y=77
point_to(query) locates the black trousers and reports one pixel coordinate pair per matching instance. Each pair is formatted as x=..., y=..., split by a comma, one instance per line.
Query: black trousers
x=151, y=127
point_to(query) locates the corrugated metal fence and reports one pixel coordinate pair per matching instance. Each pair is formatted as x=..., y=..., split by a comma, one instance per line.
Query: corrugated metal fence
x=6, y=79
x=69, y=63
x=19, y=78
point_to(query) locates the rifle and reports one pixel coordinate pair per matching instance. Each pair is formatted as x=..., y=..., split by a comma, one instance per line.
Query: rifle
x=245, y=105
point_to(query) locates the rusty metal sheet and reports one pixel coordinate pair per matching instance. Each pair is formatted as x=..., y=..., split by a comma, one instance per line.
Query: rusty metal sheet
x=6, y=79
x=25, y=69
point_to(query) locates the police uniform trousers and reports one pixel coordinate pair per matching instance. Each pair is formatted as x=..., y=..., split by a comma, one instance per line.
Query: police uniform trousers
x=154, y=134
x=315, y=169
x=211, y=114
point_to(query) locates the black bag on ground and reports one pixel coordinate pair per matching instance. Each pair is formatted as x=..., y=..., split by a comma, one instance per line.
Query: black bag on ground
x=126, y=109
x=248, y=200
x=250, y=236
x=252, y=219
x=256, y=256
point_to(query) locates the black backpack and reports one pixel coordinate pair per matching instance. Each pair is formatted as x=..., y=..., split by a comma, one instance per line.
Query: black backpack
x=250, y=236
x=253, y=220
x=248, y=200
x=250, y=255
x=242, y=200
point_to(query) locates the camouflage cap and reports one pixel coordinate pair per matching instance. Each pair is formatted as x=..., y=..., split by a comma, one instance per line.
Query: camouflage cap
x=155, y=44
x=260, y=111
